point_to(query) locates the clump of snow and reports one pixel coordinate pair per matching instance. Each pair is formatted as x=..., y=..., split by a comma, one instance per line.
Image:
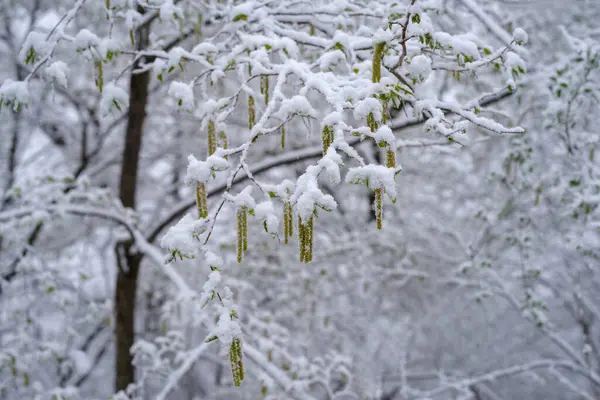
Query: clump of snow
x=204, y=48
x=213, y=260
x=297, y=105
x=520, y=36
x=266, y=213
x=382, y=36
x=330, y=59
x=183, y=94
x=342, y=39
x=243, y=199
x=113, y=97
x=384, y=134
x=333, y=118
x=57, y=72
x=201, y=171
x=375, y=177
x=15, y=93
x=308, y=196
x=182, y=236
x=331, y=165
x=86, y=39
x=366, y=106
x=37, y=42
x=420, y=67
x=170, y=11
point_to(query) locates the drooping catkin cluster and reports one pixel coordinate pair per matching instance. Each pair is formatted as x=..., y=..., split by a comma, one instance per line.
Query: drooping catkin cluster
x=305, y=235
x=212, y=138
x=223, y=141
x=288, y=222
x=327, y=138
x=378, y=206
x=235, y=358
x=264, y=87
x=201, y=200
x=242, y=232
x=251, y=112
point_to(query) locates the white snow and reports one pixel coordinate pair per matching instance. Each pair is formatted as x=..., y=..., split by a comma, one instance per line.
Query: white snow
x=183, y=94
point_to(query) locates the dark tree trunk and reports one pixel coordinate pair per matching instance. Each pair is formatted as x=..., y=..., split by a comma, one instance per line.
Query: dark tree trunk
x=128, y=262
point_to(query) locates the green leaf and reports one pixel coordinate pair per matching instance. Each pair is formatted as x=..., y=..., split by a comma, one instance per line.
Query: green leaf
x=272, y=195
x=240, y=17
x=211, y=339
x=487, y=51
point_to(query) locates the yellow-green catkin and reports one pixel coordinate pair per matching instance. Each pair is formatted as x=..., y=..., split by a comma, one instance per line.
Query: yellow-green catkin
x=99, y=71
x=223, y=141
x=288, y=222
x=264, y=87
x=312, y=30
x=378, y=206
x=282, y=129
x=305, y=235
x=201, y=201
x=371, y=122
x=385, y=112
x=376, y=68
x=390, y=157
x=235, y=358
x=327, y=138
x=242, y=232
x=251, y=112
x=212, y=138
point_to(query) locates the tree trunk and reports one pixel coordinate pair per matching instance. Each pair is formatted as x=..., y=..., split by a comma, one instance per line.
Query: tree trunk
x=129, y=263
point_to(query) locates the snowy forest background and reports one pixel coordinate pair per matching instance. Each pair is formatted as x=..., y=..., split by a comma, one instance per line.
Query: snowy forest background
x=120, y=272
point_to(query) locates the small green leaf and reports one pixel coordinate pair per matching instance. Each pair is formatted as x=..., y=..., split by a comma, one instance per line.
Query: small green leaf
x=211, y=339
x=240, y=17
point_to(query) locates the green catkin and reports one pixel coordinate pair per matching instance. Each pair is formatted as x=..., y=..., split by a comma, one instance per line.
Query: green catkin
x=371, y=123
x=212, y=138
x=201, y=201
x=305, y=234
x=301, y=239
x=376, y=68
x=379, y=207
x=99, y=74
x=223, y=141
x=287, y=221
x=327, y=138
x=390, y=159
x=245, y=227
x=290, y=217
x=310, y=240
x=235, y=359
x=312, y=30
x=251, y=112
x=282, y=136
x=264, y=87
x=241, y=233
x=385, y=112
